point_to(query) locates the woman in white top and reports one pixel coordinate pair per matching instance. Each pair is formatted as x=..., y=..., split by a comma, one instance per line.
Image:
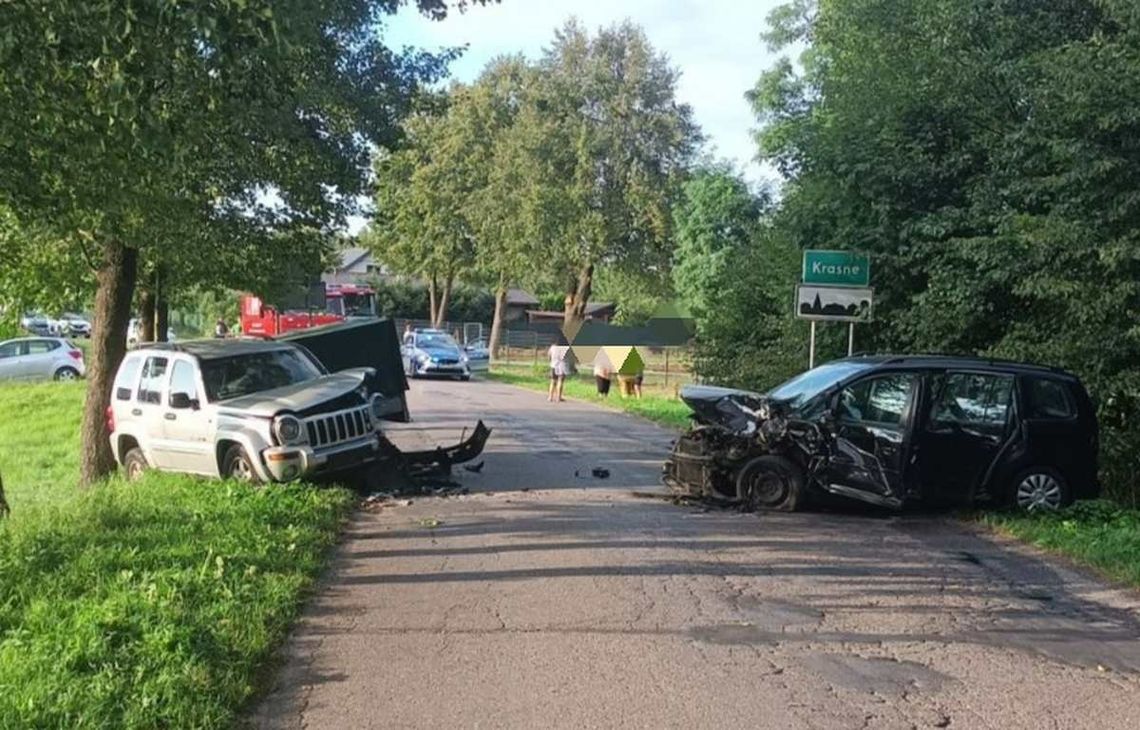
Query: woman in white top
x=559, y=369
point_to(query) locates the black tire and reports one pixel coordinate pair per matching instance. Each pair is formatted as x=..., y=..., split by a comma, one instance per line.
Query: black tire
x=66, y=373
x=770, y=483
x=237, y=465
x=134, y=464
x=465, y=378
x=1039, y=489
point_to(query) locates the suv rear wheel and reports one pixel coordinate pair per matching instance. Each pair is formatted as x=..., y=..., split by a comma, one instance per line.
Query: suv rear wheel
x=1041, y=489
x=237, y=465
x=134, y=464
x=770, y=483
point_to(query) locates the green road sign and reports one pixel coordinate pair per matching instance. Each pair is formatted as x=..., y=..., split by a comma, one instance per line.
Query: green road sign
x=837, y=268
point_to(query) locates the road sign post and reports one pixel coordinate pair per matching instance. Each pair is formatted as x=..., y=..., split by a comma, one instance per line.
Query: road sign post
x=835, y=287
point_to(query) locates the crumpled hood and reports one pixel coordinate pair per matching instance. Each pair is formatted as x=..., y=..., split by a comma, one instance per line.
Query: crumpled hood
x=298, y=397
x=726, y=407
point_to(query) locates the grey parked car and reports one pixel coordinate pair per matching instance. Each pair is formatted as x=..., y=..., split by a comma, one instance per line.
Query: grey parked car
x=253, y=410
x=31, y=358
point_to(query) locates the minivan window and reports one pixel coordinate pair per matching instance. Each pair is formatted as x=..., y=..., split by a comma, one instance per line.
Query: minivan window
x=150, y=386
x=1048, y=398
x=806, y=386
x=125, y=380
x=972, y=401
x=880, y=400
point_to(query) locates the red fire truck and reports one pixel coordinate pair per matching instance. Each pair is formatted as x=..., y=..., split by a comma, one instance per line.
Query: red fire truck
x=340, y=302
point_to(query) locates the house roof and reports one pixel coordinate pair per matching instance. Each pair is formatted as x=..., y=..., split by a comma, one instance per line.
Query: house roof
x=520, y=297
x=352, y=255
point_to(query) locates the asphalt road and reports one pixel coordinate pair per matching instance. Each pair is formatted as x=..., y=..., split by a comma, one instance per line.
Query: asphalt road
x=546, y=599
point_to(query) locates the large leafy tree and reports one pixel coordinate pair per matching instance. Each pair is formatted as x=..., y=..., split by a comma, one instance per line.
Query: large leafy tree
x=130, y=127
x=715, y=217
x=609, y=146
x=984, y=152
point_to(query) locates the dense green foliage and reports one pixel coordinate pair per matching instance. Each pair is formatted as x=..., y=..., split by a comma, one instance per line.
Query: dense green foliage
x=986, y=154
x=156, y=604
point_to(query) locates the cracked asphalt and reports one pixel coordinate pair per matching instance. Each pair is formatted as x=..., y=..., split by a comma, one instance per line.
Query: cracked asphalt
x=545, y=599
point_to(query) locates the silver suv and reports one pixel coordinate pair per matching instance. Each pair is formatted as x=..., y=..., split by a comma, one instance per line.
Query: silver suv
x=245, y=409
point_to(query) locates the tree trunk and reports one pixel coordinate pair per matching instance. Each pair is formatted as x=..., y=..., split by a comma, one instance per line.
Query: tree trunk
x=146, y=315
x=497, y=319
x=5, y=510
x=577, y=297
x=161, y=306
x=431, y=299
x=115, y=289
x=441, y=312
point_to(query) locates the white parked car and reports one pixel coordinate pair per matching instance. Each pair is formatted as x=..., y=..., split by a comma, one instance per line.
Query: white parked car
x=73, y=325
x=253, y=410
x=30, y=358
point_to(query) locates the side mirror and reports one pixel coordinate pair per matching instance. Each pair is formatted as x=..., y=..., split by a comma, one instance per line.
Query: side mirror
x=181, y=401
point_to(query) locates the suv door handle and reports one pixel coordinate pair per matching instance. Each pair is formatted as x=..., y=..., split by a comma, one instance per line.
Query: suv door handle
x=170, y=416
x=136, y=411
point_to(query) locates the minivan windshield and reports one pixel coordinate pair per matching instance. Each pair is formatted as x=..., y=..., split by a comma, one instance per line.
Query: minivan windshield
x=806, y=386
x=434, y=339
x=238, y=375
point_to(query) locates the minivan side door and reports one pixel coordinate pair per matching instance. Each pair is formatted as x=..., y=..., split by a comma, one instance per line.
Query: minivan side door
x=966, y=425
x=870, y=443
x=1055, y=434
x=188, y=432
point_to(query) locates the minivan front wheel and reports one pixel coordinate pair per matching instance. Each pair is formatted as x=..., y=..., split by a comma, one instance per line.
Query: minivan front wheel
x=237, y=465
x=1041, y=490
x=770, y=483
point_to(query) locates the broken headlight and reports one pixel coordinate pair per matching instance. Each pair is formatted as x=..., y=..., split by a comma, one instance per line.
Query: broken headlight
x=289, y=430
x=774, y=428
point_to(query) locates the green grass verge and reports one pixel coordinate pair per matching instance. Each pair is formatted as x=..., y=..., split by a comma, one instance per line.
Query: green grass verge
x=153, y=604
x=660, y=408
x=1098, y=534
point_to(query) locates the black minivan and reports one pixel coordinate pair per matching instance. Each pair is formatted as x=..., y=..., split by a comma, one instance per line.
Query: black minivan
x=895, y=430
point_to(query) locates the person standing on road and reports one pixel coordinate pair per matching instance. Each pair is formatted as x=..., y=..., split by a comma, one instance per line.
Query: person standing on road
x=559, y=369
x=409, y=336
x=603, y=371
x=221, y=331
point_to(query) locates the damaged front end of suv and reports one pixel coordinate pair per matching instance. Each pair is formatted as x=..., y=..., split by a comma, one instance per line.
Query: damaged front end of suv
x=743, y=447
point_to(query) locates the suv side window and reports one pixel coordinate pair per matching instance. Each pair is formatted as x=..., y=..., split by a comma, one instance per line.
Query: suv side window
x=1048, y=398
x=977, y=402
x=150, y=386
x=183, y=379
x=125, y=380
x=882, y=400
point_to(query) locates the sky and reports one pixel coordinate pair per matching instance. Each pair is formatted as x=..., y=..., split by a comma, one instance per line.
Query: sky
x=715, y=44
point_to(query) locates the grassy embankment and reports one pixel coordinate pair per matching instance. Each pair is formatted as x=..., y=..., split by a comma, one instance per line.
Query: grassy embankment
x=1099, y=534
x=156, y=604
x=659, y=402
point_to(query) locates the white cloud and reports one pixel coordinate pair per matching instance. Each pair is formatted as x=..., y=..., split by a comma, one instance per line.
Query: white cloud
x=715, y=44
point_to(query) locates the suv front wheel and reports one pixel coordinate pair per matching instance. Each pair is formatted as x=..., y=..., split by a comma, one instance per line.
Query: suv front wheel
x=237, y=465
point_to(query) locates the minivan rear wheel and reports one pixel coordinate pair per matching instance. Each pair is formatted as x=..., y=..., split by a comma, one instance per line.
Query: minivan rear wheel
x=770, y=483
x=237, y=465
x=1041, y=490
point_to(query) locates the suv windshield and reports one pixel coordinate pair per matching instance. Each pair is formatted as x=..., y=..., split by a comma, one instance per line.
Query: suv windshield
x=232, y=377
x=806, y=386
